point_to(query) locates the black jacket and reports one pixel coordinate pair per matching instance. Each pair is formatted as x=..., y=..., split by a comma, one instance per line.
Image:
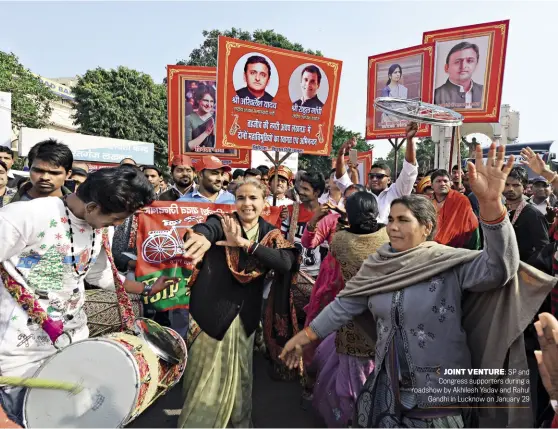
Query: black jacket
x=216, y=297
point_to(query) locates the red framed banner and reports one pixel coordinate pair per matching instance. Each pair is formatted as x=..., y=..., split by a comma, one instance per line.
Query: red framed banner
x=273, y=99
x=191, y=105
x=469, y=69
x=405, y=73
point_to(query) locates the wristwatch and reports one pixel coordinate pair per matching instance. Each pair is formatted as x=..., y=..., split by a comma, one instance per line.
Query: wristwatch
x=147, y=289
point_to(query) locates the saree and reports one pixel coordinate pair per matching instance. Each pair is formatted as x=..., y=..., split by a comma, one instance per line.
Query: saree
x=457, y=223
x=494, y=321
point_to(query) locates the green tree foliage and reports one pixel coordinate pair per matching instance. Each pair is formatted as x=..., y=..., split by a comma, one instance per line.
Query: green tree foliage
x=206, y=55
x=425, y=155
x=30, y=98
x=123, y=104
x=323, y=163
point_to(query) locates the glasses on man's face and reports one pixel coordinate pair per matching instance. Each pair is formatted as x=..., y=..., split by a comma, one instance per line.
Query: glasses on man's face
x=377, y=176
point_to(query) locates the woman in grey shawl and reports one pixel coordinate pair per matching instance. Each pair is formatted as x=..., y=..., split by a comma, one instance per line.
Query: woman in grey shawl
x=430, y=317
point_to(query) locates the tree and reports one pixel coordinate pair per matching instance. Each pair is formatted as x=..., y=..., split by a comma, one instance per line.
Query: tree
x=390, y=160
x=123, y=104
x=206, y=55
x=426, y=151
x=323, y=163
x=30, y=98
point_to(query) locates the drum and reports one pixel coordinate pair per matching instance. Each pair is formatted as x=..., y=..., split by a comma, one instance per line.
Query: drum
x=103, y=314
x=120, y=371
x=170, y=374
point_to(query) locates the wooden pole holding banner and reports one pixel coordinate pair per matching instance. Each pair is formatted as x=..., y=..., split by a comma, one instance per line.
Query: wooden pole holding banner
x=452, y=145
x=276, y=163
x=396, y=146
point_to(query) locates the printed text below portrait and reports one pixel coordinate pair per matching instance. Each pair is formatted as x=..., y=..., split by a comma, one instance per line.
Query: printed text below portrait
x=272, y=99
x=469, y=69
x=404, y=74
x=191, y=116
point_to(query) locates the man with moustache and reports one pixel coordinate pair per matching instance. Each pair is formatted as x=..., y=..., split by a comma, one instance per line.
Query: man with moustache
x=457, y=224
x=459, y=91
x=51, y=165
x=310, y=81
x=210, y=189
x=257, y=73
x=182, y=171
x=530, y=225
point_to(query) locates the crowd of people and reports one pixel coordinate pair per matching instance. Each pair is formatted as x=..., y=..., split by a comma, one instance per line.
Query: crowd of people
x=364, y=293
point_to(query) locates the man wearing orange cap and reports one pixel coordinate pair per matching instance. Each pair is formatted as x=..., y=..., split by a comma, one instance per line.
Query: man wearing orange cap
x=182, y=171
x=210, y=189
x=281, y=186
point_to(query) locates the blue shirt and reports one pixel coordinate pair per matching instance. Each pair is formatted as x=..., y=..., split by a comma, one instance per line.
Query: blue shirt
x=224, y=197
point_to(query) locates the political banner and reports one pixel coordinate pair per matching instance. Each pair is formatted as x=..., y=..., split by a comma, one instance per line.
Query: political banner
x=191, y=93
x=273, y=99
x=469, y=69
x=404, y=74
x=161, y=228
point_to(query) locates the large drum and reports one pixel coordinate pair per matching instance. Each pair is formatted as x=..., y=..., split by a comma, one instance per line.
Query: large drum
x=103, y=313
x=124, y=374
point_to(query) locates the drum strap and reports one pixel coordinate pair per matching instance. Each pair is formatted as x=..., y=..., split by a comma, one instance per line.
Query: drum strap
x=55, y=328
x=127, y=317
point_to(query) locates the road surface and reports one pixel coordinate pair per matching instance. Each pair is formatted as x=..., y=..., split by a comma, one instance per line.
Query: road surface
x=275, y=404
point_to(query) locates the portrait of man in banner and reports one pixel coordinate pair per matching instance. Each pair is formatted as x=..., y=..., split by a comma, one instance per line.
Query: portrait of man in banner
x=257, y=75
x=460, y=73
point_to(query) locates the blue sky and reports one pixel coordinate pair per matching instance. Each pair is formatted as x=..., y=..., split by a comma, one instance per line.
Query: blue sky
x=56, y=39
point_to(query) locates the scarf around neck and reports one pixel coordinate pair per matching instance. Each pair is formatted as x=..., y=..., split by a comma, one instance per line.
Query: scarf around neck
x=494, y=320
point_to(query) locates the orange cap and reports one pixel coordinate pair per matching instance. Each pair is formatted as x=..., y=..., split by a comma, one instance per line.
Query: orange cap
x=282, y=171
x=210, y=162
x=182, y=160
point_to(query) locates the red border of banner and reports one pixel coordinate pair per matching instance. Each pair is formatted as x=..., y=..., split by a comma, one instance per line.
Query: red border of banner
x=427, y=78
x=498, y=33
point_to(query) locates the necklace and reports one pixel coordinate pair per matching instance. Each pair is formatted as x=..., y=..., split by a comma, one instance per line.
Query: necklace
x=88, y=265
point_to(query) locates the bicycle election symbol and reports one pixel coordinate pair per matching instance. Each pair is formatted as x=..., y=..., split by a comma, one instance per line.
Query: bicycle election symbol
x=161, y=246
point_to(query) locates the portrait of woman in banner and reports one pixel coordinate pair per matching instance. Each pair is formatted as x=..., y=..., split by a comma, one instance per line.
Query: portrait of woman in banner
x=200, y=124
x=398, y=70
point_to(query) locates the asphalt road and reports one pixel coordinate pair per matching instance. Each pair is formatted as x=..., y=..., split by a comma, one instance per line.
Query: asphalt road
x=275, y=404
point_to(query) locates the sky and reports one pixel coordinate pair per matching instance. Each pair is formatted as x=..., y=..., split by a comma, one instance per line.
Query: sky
x=62, y=39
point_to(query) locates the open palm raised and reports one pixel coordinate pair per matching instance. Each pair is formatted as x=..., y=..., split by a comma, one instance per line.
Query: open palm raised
x=488, y=180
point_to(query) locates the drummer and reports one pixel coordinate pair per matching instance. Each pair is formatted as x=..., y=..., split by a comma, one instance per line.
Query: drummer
x=49, y=247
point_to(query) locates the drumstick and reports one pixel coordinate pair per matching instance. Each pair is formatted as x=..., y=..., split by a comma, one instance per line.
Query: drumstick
x=83, y=401
x=40, y=383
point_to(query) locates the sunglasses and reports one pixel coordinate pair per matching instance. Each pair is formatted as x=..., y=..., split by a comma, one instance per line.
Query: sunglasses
x=377, y=176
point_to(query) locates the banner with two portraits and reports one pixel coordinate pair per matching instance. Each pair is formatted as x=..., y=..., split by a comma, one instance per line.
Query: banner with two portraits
x=458, y=68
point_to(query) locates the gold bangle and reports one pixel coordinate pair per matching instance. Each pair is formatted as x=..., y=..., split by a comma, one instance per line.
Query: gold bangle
x=307, y=334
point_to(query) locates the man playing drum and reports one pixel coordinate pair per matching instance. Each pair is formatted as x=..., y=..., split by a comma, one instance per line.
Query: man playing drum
x=49, y=247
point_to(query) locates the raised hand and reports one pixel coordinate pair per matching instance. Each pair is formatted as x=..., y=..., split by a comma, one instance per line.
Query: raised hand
x=411, y=130
x=533, y=161
x=547, y=357
x=233, y=233
x=488, y=181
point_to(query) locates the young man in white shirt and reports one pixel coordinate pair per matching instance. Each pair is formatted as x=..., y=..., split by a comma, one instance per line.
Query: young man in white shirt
x=49, y=247
x=379, y=178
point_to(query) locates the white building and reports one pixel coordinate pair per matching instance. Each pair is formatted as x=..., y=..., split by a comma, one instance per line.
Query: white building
x=63, y=106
